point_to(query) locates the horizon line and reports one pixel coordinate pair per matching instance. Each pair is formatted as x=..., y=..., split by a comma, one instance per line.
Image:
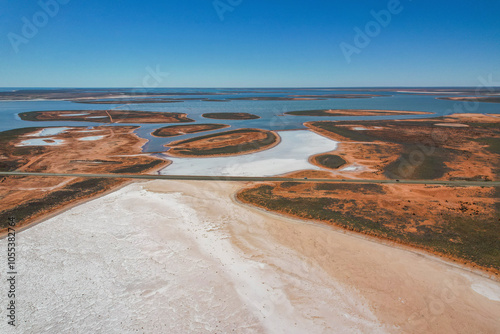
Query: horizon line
x=256, y=87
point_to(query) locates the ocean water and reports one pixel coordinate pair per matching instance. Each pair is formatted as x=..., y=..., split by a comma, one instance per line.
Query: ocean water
x=271, y=112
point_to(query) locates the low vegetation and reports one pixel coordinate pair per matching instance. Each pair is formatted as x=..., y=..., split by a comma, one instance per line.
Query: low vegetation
x=226, y=143
x=56, y=199
x=16, y=156
x=105, y=116
x=425, y=149
x=231, y=116
x=331, y=161
x=177, y=130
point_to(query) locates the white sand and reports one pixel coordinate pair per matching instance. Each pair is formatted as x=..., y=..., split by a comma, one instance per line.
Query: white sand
x=182, y=257
x=353, y=168
x=88, y=131
x=490, y=290
x=71, y=115
x=167, y=263
x=291, y=154
x=92, y=138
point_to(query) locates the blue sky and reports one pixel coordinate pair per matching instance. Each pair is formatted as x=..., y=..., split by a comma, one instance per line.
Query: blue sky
x=249, y=43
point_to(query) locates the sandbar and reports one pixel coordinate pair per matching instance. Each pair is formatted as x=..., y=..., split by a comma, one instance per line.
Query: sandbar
x=353, y=112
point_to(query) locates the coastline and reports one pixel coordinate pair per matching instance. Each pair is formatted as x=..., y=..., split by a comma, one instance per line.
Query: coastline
x=488, y=273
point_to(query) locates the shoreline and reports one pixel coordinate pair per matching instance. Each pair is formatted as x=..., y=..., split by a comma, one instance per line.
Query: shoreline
x=491, y=274
x=53, y=213
x=65, y=208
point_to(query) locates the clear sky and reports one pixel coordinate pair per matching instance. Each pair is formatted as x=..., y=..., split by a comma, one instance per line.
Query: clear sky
x=249, y=43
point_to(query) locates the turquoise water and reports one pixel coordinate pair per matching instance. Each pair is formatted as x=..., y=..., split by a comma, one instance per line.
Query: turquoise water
x=271, y=112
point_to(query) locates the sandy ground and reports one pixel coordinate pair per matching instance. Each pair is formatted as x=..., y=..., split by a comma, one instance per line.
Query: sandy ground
x=184, y=257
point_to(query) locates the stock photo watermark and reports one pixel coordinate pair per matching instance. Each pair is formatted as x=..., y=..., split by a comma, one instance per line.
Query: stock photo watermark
x=31, y=26
x=153, y=79
x=371, y=30
x=473, y=106
x=224, y=6
x=436, y=305
x=11, y=272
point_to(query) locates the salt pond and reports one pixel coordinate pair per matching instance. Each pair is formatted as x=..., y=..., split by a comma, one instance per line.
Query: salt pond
x=291, y=154
x=49, y=132
x=41, y=142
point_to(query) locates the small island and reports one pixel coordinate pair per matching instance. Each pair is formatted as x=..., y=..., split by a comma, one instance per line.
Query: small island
x=231, y=116
x=128, y=101
x=235, y=142
x=330, y=161
x=488, y=99
x=179, y=130
x=341, y=96
x=105, y=116
x=306, y=97
x=353, y=112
